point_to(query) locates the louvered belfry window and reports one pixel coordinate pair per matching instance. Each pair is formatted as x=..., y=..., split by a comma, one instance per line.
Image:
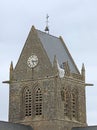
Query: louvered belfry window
x=70, y=102
x=74, y=104
x=66, y=102
x=38, y=102
x=28, y=102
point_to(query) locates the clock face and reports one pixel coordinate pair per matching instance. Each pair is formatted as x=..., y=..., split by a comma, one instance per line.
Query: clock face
x=32, y=61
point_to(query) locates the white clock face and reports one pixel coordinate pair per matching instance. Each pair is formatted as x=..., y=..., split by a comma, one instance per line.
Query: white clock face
x=32, y=61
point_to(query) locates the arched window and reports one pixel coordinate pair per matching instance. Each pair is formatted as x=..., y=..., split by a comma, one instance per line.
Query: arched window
x=74, y=104
x=27, y=102
x=38, y=102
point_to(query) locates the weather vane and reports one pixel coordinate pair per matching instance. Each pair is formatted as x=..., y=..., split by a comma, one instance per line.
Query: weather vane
x=47, y=27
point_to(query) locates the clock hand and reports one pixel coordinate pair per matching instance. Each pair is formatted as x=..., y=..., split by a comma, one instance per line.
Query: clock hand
x=34, y=60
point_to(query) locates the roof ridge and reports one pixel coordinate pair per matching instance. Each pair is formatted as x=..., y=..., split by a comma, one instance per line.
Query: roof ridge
x=48, y=34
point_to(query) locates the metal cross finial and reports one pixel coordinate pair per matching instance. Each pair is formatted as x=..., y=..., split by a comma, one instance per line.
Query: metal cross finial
x=47, y=19
x=47, y=28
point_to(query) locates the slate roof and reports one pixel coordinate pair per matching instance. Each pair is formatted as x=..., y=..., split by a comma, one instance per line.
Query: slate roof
x=13, y=126
x=55, y=46
x=85, y=128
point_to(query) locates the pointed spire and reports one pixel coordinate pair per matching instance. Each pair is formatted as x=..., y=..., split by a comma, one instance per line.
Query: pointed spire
x=11, y=70
x=83, y=67
x=11, y=66
x=55, y=66
x=83, y=72
x=47, y=27
x=66, y=68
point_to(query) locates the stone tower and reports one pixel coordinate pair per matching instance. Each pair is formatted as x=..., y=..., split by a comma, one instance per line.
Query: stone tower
x=47, y=91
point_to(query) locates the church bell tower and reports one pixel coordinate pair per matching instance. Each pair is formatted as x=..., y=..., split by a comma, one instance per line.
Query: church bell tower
x=47, y=91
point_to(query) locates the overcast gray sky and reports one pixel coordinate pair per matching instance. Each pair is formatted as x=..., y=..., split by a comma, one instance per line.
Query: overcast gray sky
x=74, y=20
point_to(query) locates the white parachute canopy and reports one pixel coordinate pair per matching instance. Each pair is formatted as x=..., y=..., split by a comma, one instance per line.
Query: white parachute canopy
x=61, y=71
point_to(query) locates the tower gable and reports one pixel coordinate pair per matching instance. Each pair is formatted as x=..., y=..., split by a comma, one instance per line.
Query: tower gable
x=34, y=46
